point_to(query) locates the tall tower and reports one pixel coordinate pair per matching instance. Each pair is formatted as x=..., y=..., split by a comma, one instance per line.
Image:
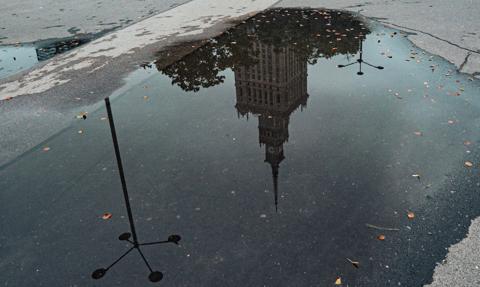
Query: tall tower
x=272, y=89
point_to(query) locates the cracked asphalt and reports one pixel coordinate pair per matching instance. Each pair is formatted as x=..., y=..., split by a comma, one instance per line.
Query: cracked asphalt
x=27, y=21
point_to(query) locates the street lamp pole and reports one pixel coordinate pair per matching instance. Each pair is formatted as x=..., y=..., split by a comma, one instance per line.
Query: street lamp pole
x=154, y=276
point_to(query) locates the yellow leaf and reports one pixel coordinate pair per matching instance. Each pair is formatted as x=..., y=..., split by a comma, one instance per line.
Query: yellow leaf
x=338, y=281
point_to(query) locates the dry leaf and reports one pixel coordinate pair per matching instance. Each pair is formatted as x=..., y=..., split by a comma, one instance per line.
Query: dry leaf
x=145, y=97
x=46, y=148
x=82, y=115
x=467, y=143
x=381, y=237
x=468, y=164
x=106, y=216
x=410, y=215
x=338, y=281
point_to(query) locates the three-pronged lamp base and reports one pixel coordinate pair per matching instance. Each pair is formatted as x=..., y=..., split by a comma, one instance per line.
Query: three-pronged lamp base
x=154, y=276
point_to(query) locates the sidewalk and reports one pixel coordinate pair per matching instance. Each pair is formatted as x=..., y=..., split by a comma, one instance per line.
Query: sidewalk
x=445, y=28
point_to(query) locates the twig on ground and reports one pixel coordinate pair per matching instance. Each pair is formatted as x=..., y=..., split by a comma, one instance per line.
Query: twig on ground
x=381, y=228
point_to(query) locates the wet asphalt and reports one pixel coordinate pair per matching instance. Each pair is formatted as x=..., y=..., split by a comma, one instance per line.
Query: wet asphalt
x=364, y=174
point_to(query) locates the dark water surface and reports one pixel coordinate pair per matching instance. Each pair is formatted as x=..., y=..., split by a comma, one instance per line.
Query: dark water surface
x=269, y=161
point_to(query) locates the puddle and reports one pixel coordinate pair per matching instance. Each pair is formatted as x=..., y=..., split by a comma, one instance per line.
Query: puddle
x=17, y=58
x=269, y=159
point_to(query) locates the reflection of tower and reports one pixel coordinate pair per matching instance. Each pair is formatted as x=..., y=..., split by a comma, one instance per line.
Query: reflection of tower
x=272, y=89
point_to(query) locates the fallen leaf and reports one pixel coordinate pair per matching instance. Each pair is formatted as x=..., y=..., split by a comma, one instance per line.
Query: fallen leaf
x=46, y=148
x=417, y=133
x=410, y=215
x=456, y=94
x=106, y=216
x=338, y=281
x=82, y=115
x=355, y=264
x=468, y=164
x=145, y=98
x=467, y=143
x=381, y=237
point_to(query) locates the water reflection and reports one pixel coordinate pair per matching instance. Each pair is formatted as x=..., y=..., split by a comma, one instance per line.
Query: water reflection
x=360, y=61
x=154, y=276
x=269, y=54
x=14, y=59
x=310, y=34
x=272, y=89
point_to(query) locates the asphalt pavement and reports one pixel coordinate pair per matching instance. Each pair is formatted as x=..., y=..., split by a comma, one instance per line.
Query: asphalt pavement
x=49, y=96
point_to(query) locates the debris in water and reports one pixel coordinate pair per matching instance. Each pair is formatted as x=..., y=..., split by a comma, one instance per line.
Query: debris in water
x=355, y=264
x=381, y=228
x=82, y=115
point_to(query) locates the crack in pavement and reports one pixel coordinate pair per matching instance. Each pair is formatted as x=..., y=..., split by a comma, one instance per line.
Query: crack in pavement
x=464, y=62
x=434, y=36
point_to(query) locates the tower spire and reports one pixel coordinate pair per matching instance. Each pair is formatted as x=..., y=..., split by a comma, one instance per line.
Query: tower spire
x=275, y=185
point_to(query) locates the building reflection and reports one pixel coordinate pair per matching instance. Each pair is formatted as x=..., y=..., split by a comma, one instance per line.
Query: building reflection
x=269, y=54
x=272, y=90
x=48, y=50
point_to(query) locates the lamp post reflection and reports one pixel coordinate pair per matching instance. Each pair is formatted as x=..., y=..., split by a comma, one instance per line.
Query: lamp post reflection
x=130, y=237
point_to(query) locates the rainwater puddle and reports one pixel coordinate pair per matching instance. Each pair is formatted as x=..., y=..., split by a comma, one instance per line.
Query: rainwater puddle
x=277, y=166
x=17, y=58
